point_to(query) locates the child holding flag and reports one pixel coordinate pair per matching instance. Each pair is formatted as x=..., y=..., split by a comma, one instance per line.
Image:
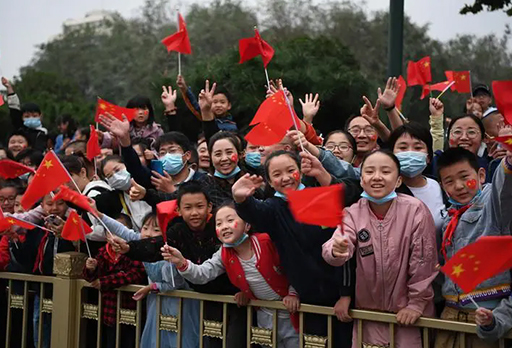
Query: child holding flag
x=393, y=240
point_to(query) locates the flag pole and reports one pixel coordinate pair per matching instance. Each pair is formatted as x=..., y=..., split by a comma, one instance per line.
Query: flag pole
x=85, y=237
x=179, y=64
x=445, y=89
x=94, y=159
x=473, y=301
x=293, y=119
x=401, y=115
x=268, y=80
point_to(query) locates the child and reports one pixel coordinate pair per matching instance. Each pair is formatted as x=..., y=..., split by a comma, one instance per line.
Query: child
x=159, y=281
x=252, y=264
x=107, y=272
x=477, y=210
x=393, y=240
x=493, y=325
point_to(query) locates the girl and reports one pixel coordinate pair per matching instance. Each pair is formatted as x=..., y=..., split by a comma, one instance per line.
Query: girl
x=393, y=240
x=67, y=129
x=159, y=281
x=342, y=144
x=299, y=244
x=118, y=201
x=252, y=264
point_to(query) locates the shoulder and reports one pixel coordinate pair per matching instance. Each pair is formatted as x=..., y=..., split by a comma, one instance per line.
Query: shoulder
x=261, y=237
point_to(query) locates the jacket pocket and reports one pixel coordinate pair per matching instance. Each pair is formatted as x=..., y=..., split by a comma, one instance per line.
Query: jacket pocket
x=471, y=217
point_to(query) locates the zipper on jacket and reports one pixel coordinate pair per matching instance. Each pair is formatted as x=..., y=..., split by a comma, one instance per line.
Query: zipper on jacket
x=380, y=228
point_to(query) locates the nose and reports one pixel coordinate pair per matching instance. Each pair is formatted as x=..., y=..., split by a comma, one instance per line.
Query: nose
x=464, y=135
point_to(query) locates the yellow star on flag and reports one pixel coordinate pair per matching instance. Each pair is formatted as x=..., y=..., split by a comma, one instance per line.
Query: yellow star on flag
x=48, y=164
x=457, y=270
x=75, y=221
x=463, y=77
x=508, y=141
x=11, y=221
x=426, y=64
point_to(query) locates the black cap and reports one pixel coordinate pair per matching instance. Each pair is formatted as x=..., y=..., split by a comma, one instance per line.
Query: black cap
x=481, y=88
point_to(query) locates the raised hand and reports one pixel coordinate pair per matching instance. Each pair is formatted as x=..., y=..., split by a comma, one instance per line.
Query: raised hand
x=137, y=192
x=206, y=98
x=245, y=187
x=121, y=129
x=388, y=98
x=370, y=113
x=7, y=84
x=436, y=107
x=182, y=84
x=310, y=107
x=168, y=98
x=311, y=166
x=173, y=255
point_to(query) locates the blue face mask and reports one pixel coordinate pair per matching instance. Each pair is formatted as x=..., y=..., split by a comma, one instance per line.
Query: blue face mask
x=32, y=122
x=253, y=159
x=458, y=205
x=173, y=163
x=227, y=176
x=120, y=180
x=283, y=196
x=237, y=243
x=412, y=163
x=24, y=176
x=392, y=195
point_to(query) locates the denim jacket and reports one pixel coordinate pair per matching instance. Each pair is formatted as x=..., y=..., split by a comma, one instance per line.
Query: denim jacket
x=338, y=168
x=490, y=215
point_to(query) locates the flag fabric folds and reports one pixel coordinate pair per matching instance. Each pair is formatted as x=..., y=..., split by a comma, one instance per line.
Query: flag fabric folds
x=462, y=80
x=502, y=91
x=8, y=221
x=73, y=197
x=472, y=264
x=506, y=141
x=93, y=145
x=50, y=175
x=418, y=73
x=179, y=41
x=11, y=169
x=165, y=212
x=435, y=87
x=252, y=47
x=104, y=106
x=72, y=230
x=402, y=87
x=321, y=206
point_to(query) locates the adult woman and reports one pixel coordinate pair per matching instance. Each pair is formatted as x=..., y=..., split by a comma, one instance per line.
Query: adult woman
x=393, y=240
x=67, y=129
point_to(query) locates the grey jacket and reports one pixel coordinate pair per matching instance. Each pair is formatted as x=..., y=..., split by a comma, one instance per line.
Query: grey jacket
x=490, y=215
x=338, y=168
x=502, y=322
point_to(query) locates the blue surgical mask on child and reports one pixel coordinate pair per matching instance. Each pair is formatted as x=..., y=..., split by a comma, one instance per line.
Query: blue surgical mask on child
x=458, y=205
x=253, y=159
x=227, y=176
x=120, y=180
x=237, y=243
x=412, y=163
x=392, y=195
x=283, y=196
x=172, y=163
x=32, y=122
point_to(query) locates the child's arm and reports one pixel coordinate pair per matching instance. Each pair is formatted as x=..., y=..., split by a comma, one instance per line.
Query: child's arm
x=90, y=272
x=133, y=273
x=501, y=321
x=340, y=248
x=436, y=123
x=119, y=229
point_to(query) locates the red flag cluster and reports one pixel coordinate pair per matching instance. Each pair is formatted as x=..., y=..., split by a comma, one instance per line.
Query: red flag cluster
x=75, y=228
x=104, y=106
x=11, y=169
x=73, y=197
x=418, y=73
x=179, y=41
x=252, y=47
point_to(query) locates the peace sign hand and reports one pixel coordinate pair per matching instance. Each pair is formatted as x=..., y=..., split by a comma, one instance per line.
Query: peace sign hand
x=370, y=113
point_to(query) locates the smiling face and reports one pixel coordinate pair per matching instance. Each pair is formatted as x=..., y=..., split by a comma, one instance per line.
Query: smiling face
x=51, y=207
x=283, y=173
x=365, y=135
x=224, y=156
x=229, y=226
x=17, y=143
x=204, y=156
x=150, y=228
x=194, y=209
x=340, y=146
x=220, y=105
x=461, y=181
x=379, y=175
x=112, y=167
x=465, y=133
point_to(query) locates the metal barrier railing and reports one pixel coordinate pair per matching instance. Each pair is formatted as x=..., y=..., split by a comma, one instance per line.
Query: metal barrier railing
x=71, y=315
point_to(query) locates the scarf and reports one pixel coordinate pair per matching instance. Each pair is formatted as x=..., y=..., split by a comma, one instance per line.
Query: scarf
x=38, y=265
x=452, y=225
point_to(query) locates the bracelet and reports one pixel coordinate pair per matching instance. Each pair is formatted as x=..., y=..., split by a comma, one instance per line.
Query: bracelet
x=389, y=109
x=154, y=287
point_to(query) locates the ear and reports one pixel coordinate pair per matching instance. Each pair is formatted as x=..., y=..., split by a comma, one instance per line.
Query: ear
x=83, y=173
x=187, y=156
x=229, y=106
x=481, y=175
x=247, y=227
x=179, y=211
x=399, y=181
x=210, y=207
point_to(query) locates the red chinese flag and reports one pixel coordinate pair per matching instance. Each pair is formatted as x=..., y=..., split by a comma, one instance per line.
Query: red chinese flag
x=472, y=264
x=252, y=47
x=506, y=141
x=402, y=87
x=8, y=221
x=263, y=135
x=50, y=175
x=321, y=206
x=2, y=102
x=179, y=41
x=502, y=91
x=418, y=73
x=72, y=229
x=12, y=169
x=116, y=111
x=165, y=212
x=462, y=80
x=435, y=87
x=93, y=144
x=73, y=197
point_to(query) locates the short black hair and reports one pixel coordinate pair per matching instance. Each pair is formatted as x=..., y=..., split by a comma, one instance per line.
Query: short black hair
x=274, y=154
x=19, y=132
x=173, y=137
x=73, y=163
x=149, y=216
x=222, y=90
x=232, y=137
x=115, y=158
x=142, y=102
x=349, y=137
x=191, y=187
x=126, y=218
x=194, y=156
x=79, y=145
x=15, y=183
x=386, y=152
x=416, y=131
x=347, y=122
x=456, y=155
x=35, y=157
x=30, y=107
x=473, y=117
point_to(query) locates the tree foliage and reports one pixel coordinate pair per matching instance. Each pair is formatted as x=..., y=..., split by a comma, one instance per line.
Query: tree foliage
x=490, y=5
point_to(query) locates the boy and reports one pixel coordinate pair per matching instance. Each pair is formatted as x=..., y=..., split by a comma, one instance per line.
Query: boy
x=493, y=325
x=27, y=118
x=477, y=210
x=194, y=235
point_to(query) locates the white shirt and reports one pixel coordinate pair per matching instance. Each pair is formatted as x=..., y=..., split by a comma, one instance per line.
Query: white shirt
x=432, y=195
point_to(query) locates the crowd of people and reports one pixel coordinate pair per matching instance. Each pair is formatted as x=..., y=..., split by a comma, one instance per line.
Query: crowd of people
x=413, y=197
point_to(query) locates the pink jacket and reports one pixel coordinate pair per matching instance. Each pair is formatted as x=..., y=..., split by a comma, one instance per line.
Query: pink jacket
x=396, y=263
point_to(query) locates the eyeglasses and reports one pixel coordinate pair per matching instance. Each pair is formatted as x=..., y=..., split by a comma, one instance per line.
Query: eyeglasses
x=355, y=131
x=342, y=147
x=470, y=133
x=10, y=199
x=171, y=151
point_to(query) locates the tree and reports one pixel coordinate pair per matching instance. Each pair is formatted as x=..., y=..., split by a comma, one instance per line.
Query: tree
x=490, y=5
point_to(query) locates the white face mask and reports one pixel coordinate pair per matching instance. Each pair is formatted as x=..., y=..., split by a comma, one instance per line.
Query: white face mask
x=120, y=180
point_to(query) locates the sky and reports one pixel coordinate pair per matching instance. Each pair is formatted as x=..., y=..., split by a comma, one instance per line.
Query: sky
x=27, y=23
